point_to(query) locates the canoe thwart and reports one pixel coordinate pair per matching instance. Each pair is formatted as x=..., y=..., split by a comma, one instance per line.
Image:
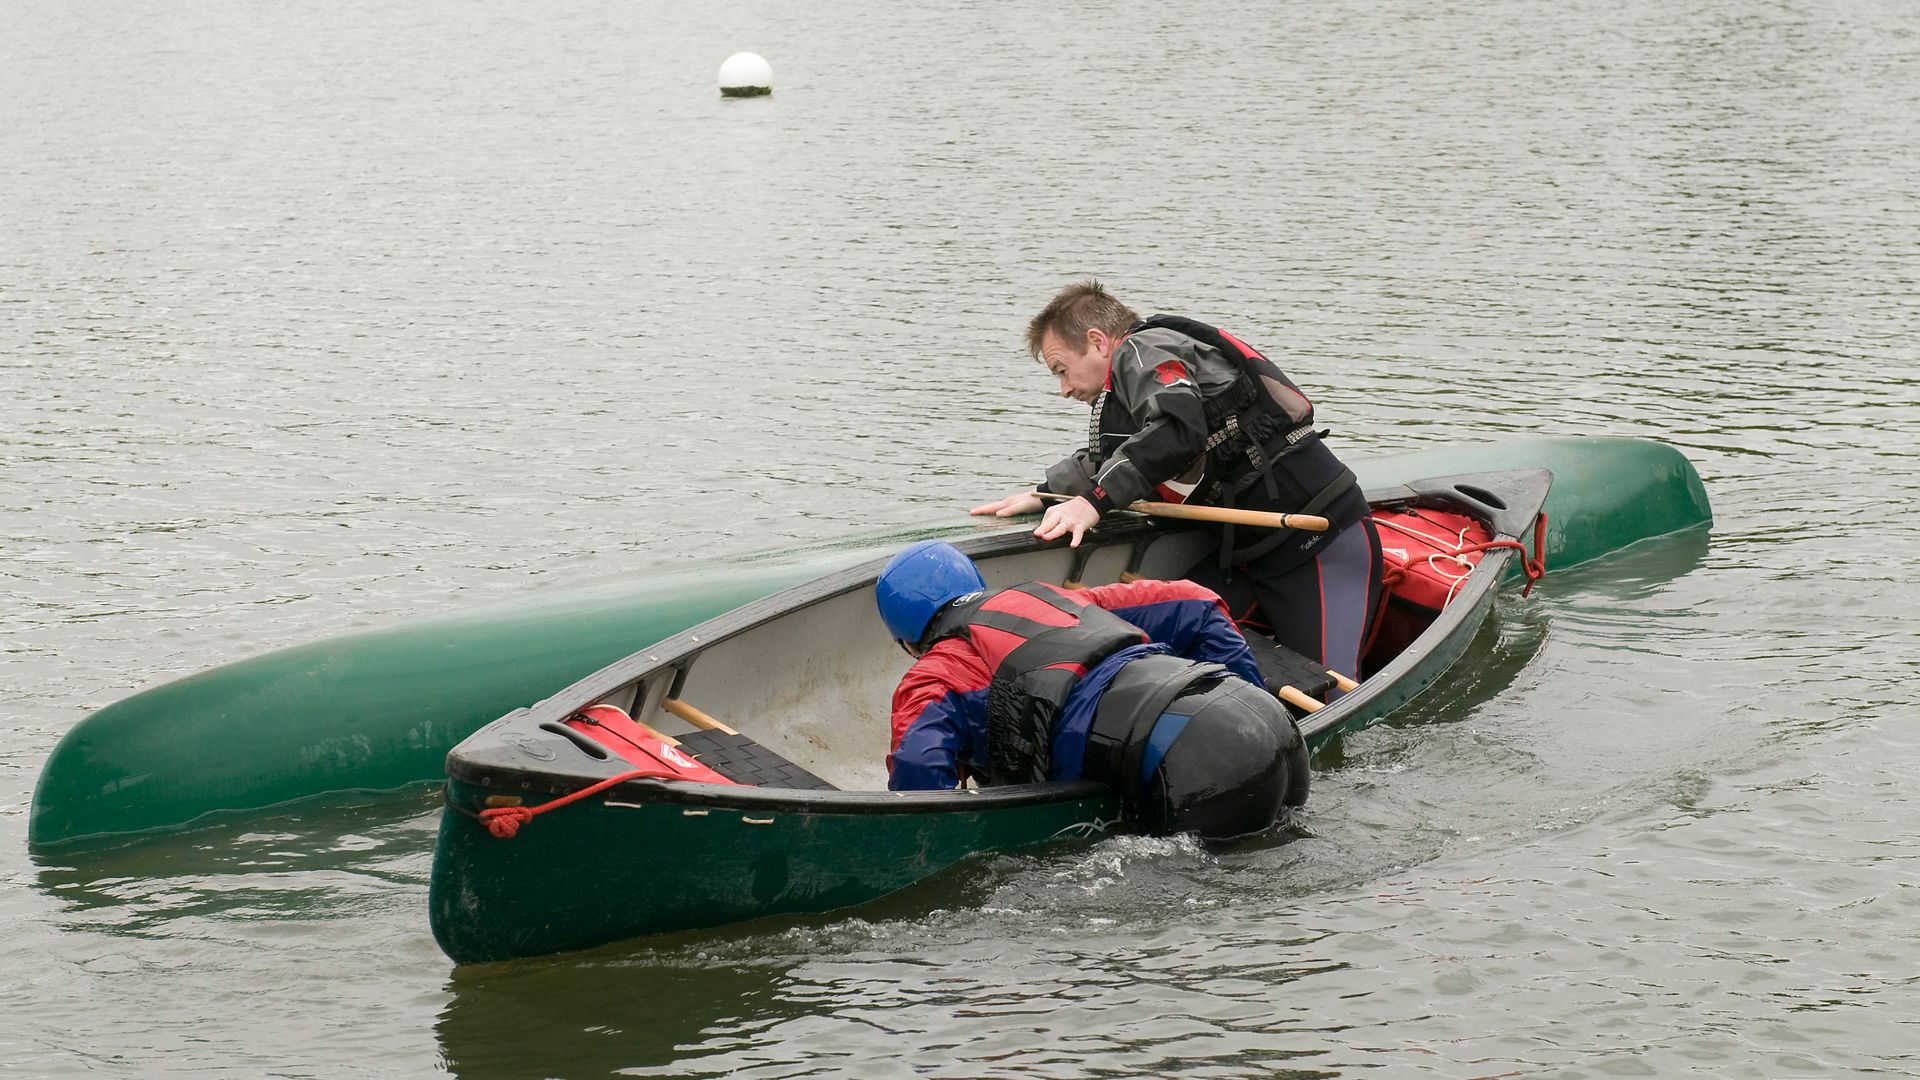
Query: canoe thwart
x=694, y=716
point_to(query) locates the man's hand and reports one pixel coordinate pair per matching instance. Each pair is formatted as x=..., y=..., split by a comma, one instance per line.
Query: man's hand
x=1075, y=516
x=1012, y=506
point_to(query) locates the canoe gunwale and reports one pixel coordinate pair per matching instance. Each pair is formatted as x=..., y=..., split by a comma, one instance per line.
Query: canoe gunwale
x=807, y=800
x=1428, y=657
x=1522, y=493
x=1444, y=640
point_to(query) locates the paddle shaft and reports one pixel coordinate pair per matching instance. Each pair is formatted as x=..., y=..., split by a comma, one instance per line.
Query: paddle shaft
x=1220, y=515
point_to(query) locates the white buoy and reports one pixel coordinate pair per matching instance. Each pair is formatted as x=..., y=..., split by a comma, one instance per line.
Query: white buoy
x=745, y=74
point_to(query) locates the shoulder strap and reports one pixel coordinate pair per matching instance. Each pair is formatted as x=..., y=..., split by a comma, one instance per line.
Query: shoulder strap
x=1098, y=632
x=1132, y=705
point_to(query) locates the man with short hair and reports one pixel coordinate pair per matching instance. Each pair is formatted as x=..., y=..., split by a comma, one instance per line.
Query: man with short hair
x=1184, y=412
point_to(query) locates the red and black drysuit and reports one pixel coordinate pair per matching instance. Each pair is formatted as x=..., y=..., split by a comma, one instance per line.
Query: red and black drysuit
x=955, y=708
x=1192, y=414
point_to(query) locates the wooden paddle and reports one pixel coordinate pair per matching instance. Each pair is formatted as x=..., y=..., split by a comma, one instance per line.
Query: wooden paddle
x=1264, y=519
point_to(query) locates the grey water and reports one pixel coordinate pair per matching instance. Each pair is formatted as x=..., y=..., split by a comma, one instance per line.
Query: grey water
x=318, y=317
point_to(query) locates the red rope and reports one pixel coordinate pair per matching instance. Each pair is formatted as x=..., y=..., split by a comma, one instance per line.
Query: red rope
x=1532, y=563
x=1535, y=568
x=505, y=821
x=1246, y=619
x=1389, y=577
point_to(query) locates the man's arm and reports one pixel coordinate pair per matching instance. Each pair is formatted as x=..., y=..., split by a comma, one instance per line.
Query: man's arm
x=1162, y=392
x=1071, y=475
x=939, y=721
x=1160, y=387
x=1190, y=619
x=1168, y=417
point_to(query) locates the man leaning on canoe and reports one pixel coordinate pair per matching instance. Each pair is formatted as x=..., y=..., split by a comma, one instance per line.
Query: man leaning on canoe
x=1183, y=412
x=1148, y=686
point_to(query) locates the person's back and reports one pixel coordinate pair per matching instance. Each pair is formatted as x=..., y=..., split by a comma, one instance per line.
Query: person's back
x=1143, y=685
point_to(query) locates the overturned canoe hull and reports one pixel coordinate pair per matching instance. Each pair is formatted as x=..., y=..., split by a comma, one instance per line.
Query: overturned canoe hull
x=379, y=710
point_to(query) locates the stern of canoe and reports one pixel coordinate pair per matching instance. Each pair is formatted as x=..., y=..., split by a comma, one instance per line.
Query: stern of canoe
x=644, y=860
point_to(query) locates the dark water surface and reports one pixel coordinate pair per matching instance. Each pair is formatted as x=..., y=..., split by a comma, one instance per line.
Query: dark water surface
x=316, y=317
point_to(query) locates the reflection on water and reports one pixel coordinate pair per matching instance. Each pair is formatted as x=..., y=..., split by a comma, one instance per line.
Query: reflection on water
x=1041, y=940
x=320, y=861
x=529, y=1018
x=1637, y=576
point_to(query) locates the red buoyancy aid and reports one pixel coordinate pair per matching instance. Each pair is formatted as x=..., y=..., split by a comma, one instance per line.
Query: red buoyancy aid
x=1039, y=642
x=1426, y=554
x=639, y=745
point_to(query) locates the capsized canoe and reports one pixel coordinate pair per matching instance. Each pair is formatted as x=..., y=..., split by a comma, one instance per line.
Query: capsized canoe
x=805, y=677
x=379, y=710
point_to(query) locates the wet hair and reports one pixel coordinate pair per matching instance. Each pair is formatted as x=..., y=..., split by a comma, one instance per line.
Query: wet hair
x=1081, y=306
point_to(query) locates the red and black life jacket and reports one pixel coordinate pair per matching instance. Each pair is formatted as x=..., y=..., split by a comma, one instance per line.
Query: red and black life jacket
x=1266, y=389
x=1262, y=450
x=1039, y=642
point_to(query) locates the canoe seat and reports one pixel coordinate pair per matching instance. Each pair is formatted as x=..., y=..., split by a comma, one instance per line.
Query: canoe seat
x=743, y=761
x=1281, y=666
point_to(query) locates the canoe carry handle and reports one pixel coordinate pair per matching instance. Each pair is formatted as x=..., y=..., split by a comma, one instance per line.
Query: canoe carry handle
x=694, y=716
x=1219, y=515
x=671, y=702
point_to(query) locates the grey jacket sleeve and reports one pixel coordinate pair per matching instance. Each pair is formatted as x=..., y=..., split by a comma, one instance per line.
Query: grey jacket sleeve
x=1156, y=376
x=1071, y=475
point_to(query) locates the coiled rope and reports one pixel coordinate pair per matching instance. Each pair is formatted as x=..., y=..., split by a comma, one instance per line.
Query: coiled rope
x=1533, y=563
x=505, y=821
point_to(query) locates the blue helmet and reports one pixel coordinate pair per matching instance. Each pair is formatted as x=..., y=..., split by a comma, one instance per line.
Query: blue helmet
x=920, y=581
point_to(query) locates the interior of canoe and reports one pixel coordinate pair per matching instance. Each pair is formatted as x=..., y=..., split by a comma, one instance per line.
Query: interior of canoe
x=802, y=698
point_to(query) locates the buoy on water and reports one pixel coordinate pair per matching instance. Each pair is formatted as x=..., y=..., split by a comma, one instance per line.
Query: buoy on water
x=745, y=74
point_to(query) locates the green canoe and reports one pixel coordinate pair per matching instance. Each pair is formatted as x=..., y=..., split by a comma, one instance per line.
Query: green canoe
x=379, y=710
x=806, y=825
